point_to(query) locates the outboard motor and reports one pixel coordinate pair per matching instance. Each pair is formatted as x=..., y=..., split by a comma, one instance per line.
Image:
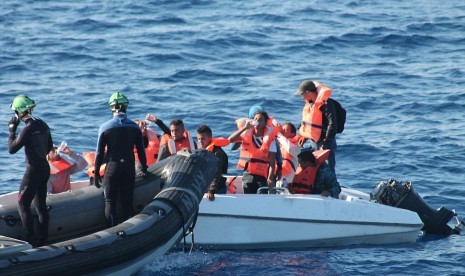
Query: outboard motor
x=402, y=195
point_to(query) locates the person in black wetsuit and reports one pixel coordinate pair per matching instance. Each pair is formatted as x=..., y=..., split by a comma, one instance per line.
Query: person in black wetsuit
x=37, y=141
x=119, y=136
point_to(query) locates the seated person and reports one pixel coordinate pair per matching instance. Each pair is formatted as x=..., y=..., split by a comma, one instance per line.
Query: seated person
x=314, y=176
x=289, y=148
x=205, y=141
x=179, y=139
x=151, y=143
x=61, y=169
x=90, y=158
x=271, y=123
x=258, y=153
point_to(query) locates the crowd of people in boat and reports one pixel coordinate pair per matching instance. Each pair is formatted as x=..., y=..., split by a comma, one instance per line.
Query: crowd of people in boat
x=270, y=154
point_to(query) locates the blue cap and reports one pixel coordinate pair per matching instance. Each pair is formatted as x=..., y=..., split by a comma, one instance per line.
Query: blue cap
x=254, y=109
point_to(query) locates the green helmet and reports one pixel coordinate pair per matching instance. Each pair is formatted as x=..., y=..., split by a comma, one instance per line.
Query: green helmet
x=118, y=101
x=22, y=103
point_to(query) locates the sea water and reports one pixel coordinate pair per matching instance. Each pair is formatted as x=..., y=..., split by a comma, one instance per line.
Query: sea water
x=396, y=66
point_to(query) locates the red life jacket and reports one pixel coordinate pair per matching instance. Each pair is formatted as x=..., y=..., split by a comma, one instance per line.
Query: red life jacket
x=219, y=142
x=304, y=179
x=256, y=160
x=312, y=116
x=90, y=158
x=152, y=149
x=58, y=166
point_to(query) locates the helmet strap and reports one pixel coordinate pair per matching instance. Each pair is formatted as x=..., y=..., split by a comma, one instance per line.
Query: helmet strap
x=118, y=108
x=23, y=114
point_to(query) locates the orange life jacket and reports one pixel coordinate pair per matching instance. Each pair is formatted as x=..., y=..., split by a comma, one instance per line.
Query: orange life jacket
x=290, y=162
x=152, y=149
x=312, y=116
x=219, y=142
x=295, y=139
x=256, y=160
x=164, y=139
x=272, y=124
x=175, y=146
x=90, y=158
x=304, y=179
x=58, y=166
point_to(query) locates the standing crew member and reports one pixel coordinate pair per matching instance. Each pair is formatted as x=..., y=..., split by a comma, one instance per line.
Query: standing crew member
x=37, y=141
x=119, y=136
x=319, y=122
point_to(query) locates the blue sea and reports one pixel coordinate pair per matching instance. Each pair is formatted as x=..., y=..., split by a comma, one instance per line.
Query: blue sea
x=398, y=67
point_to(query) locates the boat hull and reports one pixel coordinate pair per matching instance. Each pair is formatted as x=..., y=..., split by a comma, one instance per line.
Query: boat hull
x=249, y=221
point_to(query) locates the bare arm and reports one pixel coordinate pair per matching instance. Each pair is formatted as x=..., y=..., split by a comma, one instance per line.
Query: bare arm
x=237, y=134
x=271, y=177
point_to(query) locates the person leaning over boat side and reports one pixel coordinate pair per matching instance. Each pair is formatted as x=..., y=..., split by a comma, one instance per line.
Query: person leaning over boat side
x=178, y=140
x=151, y=143
x=151, y=138
x=289, y=148
x=61, y=169
x=205, y=141
x=258, y=153
x=119, y=136
x=314, y=176
x=37, y=141
x=319, y=122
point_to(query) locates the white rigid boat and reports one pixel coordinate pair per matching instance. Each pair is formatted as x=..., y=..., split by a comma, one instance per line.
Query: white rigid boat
x=260, y=221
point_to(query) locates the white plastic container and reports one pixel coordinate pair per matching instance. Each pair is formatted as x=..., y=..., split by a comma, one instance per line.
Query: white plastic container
x=62, y=147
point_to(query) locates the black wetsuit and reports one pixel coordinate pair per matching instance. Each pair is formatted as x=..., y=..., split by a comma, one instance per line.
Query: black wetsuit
x=37, y=141
x=119, y=135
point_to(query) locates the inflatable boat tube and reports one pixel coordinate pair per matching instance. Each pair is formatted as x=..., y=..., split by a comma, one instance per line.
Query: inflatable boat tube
x=125, y=248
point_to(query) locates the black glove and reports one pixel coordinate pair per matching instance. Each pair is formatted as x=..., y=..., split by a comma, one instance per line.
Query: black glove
x=13, y=123
x=325, y=144
x=98, y=181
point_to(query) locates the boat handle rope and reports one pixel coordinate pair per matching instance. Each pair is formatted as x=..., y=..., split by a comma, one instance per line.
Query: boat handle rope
x=232, y=180
x=191, y=230
x=175, y=207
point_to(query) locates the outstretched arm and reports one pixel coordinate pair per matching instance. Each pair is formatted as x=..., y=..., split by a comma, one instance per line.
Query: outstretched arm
x=160, y=124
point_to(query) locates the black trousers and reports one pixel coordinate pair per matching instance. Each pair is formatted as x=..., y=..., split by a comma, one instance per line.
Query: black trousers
x=251, y=182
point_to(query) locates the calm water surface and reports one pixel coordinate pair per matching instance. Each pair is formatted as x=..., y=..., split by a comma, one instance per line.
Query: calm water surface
x=396, y=66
